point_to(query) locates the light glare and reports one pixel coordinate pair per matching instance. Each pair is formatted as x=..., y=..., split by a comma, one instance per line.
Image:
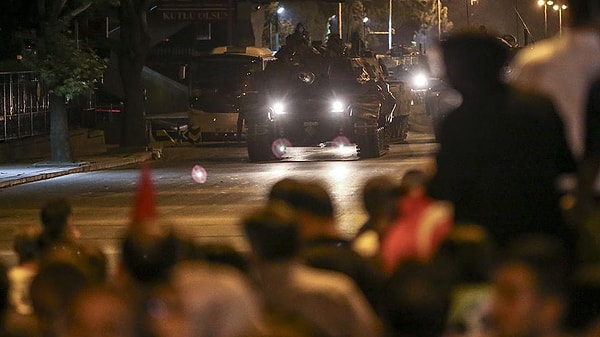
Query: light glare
x=420, y=81
x=278, y=108
x=199, y=174
x=279, y=147
x=337, y=106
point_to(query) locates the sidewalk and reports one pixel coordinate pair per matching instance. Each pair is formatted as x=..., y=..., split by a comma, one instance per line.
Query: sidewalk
x=12, y=174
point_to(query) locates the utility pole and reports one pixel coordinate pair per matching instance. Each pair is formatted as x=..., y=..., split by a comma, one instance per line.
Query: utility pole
x=468, y=15
x=340, y=19
x=390, y=26
x=439, y=14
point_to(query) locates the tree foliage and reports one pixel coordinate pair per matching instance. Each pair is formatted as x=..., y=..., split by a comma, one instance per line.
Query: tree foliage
x=313, y=14
x=66, y=69
x=409, y=18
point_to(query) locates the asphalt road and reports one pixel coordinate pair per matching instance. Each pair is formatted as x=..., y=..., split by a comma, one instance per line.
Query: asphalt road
x=210, y=210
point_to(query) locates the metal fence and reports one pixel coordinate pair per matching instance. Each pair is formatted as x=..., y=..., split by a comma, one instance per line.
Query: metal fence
x=23, y=106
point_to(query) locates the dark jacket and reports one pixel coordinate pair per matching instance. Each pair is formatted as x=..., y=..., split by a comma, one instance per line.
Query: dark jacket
x=500, y=154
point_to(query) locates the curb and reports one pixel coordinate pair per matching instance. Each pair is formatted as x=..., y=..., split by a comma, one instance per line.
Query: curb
x=87, y=167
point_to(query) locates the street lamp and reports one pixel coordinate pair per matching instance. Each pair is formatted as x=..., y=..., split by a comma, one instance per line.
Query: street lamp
x=365, y=20
x=545, y=3
x=469, y=3
x=278, y=12
x=559, y=9
x=439, y=18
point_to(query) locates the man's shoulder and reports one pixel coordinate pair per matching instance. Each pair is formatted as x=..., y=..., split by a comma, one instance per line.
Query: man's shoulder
x=324, y=280
x=532, y=63
x=520, y=96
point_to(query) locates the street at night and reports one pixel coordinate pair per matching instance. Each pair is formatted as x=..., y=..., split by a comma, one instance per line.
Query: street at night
x=296, y=168
x=102, y=200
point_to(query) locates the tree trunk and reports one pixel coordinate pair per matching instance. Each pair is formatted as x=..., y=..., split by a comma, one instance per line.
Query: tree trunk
x=133, y=130
x=60, y=147
x=135, y=42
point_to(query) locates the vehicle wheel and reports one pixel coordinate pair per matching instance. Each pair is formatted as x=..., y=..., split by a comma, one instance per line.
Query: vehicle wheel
x=372, y=143
x=259, y=142
x=399, y=128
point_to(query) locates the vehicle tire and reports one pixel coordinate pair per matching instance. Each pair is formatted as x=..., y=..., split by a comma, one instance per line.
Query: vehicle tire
x=259, y=142
x=372, y=143
x=398, y=128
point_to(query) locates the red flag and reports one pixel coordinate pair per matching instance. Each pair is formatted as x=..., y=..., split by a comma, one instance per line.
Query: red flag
x=145, y=202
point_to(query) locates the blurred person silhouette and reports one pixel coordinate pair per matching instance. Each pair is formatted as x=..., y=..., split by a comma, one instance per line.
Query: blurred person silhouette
x=222, y=253
x=420, y=227
x=501, y=150
x=60, y=234
x=329, y=302
x=379, y=198
x=151, y=247
x=323, y=245
x=530, y=288
x=5, y=324
x=335, y=46
x=100, y=311
x=58, y=229
x=217, y=300
x=563, y=68
x=62, y=274
x=416, y=301
x=583, y=316
x=466, y=258
x=297, y=44
x=26, y=247
x=586, y=213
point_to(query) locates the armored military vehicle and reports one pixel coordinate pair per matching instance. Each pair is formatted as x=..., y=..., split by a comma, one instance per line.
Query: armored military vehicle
x=312, y=97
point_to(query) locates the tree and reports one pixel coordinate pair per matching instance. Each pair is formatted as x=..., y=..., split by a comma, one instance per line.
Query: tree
x=433, y=16
x=409, y=17
x=132, y=50
x=65, y=69
x=313, y=14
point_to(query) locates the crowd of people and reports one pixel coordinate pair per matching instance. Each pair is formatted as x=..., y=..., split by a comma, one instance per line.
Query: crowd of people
x=476, y=244
x=410, y=270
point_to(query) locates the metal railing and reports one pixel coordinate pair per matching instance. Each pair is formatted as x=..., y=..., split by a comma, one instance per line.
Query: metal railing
x=23, y=105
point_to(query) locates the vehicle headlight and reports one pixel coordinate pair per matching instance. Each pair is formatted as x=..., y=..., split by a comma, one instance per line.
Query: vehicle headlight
x=420, y=81
x=337, y=106
x=278, y=108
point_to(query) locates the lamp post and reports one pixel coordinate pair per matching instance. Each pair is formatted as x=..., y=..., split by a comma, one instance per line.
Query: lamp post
x=545, y=3
x=365, y=20
x=278, y=12
x=390, y=25
x=469, y=3
x=439, y=18
x=559, y=8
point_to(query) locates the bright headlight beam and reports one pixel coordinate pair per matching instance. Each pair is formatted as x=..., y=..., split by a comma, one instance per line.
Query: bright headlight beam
x=420, y=81
x=278, y=108
x=337, y=106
